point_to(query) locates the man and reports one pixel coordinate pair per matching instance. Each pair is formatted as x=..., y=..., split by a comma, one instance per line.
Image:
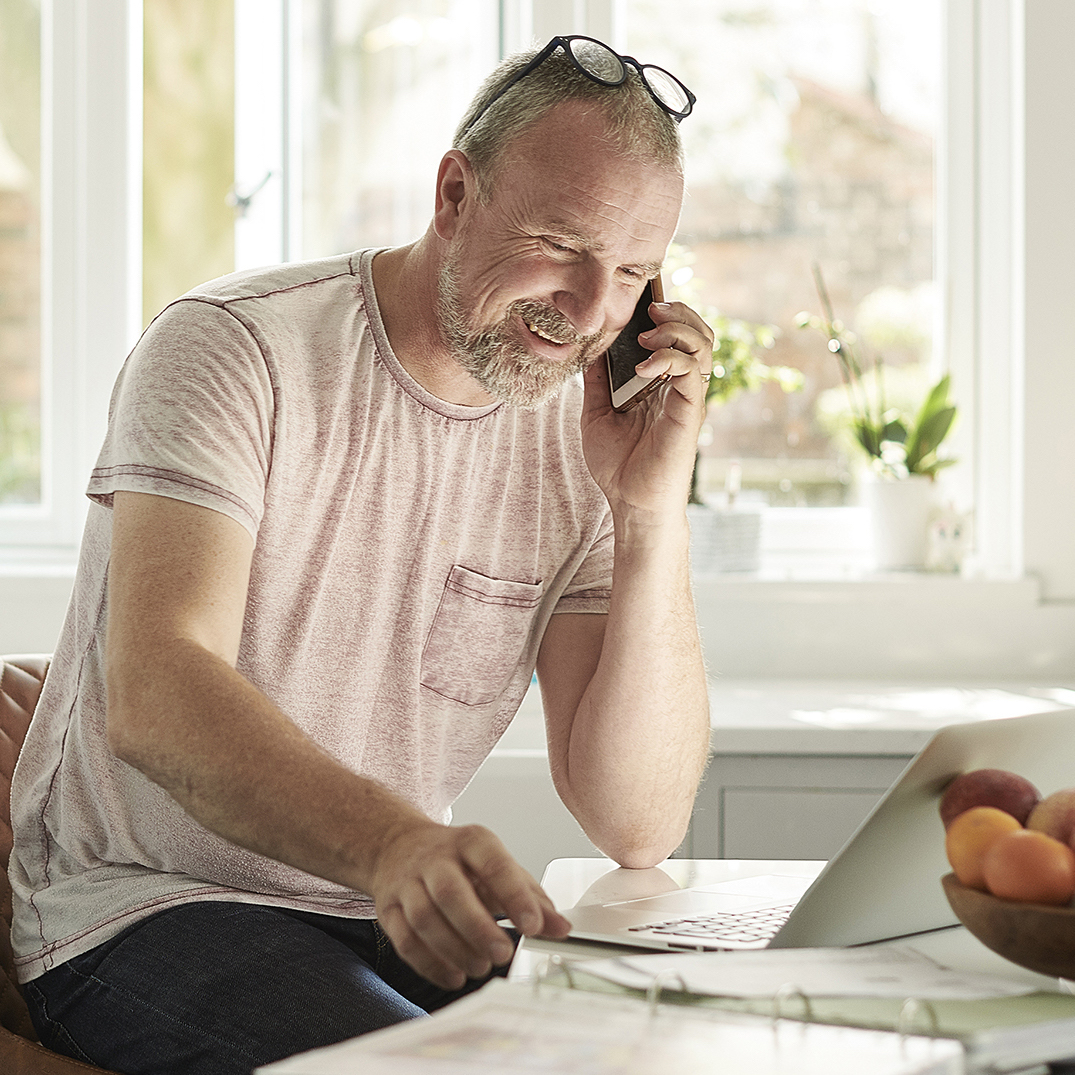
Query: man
x=343, y=510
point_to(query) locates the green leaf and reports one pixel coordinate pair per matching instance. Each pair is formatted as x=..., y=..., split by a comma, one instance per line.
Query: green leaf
x=937, y=399
x=868, y=438
x=894, y=429
x=931, y=466
x=928, y=435
x=921, y=441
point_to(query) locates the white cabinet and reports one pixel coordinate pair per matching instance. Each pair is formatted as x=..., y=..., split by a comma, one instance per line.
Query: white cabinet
x=785, y=806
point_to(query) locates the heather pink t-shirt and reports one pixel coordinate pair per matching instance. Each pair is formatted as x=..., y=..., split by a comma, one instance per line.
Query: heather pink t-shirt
x=408, y=555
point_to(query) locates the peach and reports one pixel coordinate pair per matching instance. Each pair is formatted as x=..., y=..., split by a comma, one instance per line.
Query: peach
x=1030, y=866
x=1006, y=791
x=1055, y=816
x=970, y=836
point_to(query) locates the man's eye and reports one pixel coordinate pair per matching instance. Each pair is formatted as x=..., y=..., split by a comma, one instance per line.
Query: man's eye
x=561, y=248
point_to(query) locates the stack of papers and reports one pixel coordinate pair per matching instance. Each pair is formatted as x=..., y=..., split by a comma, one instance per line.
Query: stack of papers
x=893, y=972
x=507, y=1029
x=1003, y=1023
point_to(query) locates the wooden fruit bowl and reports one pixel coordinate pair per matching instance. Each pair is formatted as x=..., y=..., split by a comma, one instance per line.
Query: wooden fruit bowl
x=1032, y=935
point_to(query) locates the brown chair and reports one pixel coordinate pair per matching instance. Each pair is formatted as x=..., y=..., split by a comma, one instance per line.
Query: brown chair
x=21, y=679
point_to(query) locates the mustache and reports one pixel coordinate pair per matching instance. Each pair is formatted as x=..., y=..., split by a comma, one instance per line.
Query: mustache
x=553, y=323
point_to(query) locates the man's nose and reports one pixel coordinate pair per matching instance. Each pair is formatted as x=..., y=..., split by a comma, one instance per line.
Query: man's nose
x=586, y=301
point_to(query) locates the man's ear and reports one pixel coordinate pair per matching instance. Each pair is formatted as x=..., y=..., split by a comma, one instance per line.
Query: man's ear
x=456, y=192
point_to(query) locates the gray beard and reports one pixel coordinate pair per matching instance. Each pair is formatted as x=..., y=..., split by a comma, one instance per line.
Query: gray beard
x=504, y=368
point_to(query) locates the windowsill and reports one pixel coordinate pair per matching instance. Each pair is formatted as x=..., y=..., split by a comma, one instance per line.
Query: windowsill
x=899, y=627
x=818, y=548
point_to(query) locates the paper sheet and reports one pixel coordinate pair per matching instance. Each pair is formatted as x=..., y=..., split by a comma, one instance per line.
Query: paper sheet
x=893, y=972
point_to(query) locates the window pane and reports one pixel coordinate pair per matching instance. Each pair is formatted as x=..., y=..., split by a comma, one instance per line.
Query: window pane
x=188, y=226
x=20, y=252
x=385, y=82
x=812, y=142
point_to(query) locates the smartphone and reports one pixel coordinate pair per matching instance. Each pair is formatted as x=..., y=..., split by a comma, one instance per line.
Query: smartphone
x=626, y=387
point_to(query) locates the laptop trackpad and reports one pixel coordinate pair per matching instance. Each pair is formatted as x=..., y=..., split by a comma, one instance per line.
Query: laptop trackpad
x=739, y=894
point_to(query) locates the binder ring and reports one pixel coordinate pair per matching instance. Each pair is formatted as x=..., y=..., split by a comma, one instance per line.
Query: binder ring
x=653, y=993
x=791, y=991
x=912, y=1008
x=556, y=962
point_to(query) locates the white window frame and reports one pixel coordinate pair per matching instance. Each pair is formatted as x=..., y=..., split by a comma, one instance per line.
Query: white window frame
x=1004, y=266
x=268, y=131
x=91, y=259
x=1008, y=278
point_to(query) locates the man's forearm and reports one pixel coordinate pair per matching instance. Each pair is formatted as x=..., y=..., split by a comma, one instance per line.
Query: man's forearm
x=242, y=769
x=639, y=740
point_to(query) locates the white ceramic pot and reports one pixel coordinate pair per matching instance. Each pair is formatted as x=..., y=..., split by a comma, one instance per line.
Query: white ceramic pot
x=899, y=517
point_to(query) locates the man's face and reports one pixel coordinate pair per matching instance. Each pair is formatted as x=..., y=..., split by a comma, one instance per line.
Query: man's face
x=537, y=282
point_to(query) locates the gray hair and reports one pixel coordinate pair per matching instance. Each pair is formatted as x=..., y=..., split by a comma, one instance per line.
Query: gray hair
x=635, y=124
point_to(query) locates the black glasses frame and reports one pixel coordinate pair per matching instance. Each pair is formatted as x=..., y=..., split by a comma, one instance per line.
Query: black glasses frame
x=565, y=44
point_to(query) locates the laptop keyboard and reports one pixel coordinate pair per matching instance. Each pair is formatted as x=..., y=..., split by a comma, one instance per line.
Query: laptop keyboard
x=738, y=927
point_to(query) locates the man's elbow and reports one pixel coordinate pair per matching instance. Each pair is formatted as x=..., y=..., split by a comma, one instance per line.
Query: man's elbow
x=642, y=851
x=640, y=860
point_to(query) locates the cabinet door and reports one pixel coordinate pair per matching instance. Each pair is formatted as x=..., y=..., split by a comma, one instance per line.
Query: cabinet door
x=786, y=806
x=786, y=823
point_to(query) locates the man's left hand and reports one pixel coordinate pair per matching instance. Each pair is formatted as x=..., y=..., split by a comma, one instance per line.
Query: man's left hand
x=643, y=459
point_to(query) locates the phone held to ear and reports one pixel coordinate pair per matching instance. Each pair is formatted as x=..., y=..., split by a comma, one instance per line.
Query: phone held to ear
x=626, y=387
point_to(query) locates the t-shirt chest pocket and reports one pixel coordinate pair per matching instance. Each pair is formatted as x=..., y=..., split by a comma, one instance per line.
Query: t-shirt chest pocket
x=478, y=635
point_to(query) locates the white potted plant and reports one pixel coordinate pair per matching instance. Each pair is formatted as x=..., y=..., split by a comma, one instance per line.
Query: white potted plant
x=901, y=442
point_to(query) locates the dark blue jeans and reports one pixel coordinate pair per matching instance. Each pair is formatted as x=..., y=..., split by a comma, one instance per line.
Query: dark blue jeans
x=220, y=988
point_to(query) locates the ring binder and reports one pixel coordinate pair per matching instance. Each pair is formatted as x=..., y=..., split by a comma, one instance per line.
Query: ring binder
x=653, y=994
x=912, y=1006
x=1000, y=1026
x=544, y=972
x=791, y=990
x=506, y=1027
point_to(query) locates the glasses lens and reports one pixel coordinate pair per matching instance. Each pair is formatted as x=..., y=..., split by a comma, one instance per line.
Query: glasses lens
x=666, y=89
x=598, y=61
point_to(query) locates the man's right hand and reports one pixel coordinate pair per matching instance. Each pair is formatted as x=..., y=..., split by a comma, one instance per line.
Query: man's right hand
x=437, y=890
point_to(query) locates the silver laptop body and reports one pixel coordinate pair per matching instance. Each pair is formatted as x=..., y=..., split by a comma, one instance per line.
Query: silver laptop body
x=883, y=883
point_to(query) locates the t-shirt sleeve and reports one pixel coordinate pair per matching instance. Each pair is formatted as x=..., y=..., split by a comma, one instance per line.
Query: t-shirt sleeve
x=191, y=416
x=591, y=586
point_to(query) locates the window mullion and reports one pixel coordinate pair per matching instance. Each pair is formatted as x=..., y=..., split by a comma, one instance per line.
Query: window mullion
x=264, y=183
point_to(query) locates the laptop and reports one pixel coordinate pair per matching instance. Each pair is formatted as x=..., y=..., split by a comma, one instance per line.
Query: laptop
x=883, y=883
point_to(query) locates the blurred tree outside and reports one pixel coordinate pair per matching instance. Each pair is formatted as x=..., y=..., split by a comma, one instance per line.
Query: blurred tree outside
x=189, y=137
x=812, y=141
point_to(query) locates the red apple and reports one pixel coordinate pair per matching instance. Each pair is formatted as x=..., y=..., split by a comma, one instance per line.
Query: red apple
x=1006, y=791
x=1055, y=815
